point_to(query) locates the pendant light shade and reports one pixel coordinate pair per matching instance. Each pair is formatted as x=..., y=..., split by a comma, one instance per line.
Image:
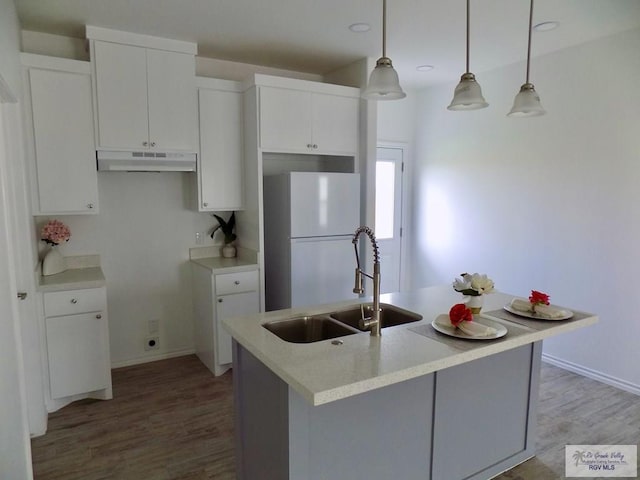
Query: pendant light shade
x=383, y=81
x=527, y=102
x=468, y=94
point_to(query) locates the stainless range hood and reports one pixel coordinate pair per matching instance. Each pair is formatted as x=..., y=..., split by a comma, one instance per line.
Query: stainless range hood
x=146, y=161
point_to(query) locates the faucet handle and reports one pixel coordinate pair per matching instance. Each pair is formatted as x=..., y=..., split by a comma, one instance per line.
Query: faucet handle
x=358, y=283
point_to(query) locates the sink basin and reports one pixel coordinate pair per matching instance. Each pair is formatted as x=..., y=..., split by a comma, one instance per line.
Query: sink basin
x=308, y=329
x=390, y=316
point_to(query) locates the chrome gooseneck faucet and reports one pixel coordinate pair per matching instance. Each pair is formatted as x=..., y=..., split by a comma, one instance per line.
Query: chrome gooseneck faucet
x=374, y=321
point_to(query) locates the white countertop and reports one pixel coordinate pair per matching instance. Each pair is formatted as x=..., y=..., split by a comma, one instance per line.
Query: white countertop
x=322, y=372
x=225, y=265
x=72, y=279
x=208, y=257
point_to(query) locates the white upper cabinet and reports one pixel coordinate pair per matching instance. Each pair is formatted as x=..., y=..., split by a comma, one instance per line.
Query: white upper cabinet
x=220, y=169
x=59, y=116
x=299, y=121
x=173, y=109
x=145, y=92
x=121, y=92
x=334, y=123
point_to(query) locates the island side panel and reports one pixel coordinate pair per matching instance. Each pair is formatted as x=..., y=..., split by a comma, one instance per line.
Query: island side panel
x=384, y=433
x=261, y=419
x=484, y=414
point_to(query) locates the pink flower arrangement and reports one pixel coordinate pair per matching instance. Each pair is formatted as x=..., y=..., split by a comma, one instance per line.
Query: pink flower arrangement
x=55, y=232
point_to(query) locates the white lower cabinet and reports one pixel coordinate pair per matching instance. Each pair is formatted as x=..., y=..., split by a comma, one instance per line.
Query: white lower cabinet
x=77, y=344
x=230, y=306
x=217, y=296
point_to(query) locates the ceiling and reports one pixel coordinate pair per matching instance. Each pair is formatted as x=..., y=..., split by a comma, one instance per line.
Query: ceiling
x=313, y=36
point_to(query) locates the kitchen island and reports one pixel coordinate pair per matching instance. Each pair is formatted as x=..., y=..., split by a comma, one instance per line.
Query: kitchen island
x=411, y=404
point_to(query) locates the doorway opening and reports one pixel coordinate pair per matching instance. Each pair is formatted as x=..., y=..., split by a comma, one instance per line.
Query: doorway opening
x=389, y=215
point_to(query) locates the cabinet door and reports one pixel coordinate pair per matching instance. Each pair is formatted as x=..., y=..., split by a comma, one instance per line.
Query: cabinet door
x=64, y=148
x=77, y=351
x=497, y=410
x=220, y=171
x=285, y=120
x=335, y=124
x=173, y=111
x=121, y=91
x=232, y=306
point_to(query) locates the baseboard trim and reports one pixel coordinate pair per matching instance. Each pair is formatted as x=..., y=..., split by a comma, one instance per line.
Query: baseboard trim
x=152, y=358
x=593, y=374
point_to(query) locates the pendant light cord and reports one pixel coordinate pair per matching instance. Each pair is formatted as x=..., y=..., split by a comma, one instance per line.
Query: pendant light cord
x=384, y=28
x=529, y=45
x=468, y=30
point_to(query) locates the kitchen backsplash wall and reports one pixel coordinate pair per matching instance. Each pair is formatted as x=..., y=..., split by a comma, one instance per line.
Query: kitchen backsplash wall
x=143, y=234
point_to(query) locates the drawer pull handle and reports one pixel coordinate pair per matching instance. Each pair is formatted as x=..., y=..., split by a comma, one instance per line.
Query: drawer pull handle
x=237, y=282
x=74, y=301
x=219, y=300
x=98, y=316
x=22, y=295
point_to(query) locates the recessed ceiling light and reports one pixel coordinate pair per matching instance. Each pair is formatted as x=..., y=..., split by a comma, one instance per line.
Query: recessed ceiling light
x=425, y=68
x=546, y=26
x=359, y=27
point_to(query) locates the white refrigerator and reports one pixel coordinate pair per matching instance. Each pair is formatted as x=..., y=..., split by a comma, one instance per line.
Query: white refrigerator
x=309, y=221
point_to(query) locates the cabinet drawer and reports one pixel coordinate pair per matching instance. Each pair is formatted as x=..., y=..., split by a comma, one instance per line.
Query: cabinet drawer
x=236, y=282
x=70, y=302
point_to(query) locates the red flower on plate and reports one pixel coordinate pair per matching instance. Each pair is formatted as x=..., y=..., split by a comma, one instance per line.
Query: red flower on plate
x=460, y=313
x=538, y=298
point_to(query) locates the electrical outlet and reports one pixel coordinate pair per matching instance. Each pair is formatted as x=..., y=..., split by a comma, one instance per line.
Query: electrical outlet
x=152, y=343
x=154, y=326
x=198, y=238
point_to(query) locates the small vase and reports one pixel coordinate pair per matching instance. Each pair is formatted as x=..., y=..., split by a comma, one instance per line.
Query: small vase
x=228, y=251
x=475, y=303
x=53, y=262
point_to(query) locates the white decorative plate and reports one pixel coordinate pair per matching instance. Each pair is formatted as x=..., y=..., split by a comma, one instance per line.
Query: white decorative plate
x=536, y=316
x=443, y=325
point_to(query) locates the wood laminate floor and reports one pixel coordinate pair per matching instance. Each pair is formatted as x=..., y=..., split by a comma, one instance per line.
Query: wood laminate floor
x=173, y=420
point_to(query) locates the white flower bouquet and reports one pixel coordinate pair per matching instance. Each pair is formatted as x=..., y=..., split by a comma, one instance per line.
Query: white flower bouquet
x=473, y=285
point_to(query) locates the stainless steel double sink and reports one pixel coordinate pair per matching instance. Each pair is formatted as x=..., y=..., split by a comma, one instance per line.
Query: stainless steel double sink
x=314, y=328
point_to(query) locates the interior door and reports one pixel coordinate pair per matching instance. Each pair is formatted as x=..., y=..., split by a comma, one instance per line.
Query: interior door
x=15, y=454
x=388, y=215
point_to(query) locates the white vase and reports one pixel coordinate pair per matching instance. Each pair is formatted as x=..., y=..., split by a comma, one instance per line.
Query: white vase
x=53, y=262
x=228, y=251
x=474, y=303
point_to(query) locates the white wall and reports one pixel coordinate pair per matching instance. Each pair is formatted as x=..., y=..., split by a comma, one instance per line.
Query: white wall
x=143, y=233
x=547, y=203
x=397, y=119
x=76, y=48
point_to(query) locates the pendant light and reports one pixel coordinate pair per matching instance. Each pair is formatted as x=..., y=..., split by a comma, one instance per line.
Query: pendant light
x=383, y=82
x=468, y=94
x=527, y=101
